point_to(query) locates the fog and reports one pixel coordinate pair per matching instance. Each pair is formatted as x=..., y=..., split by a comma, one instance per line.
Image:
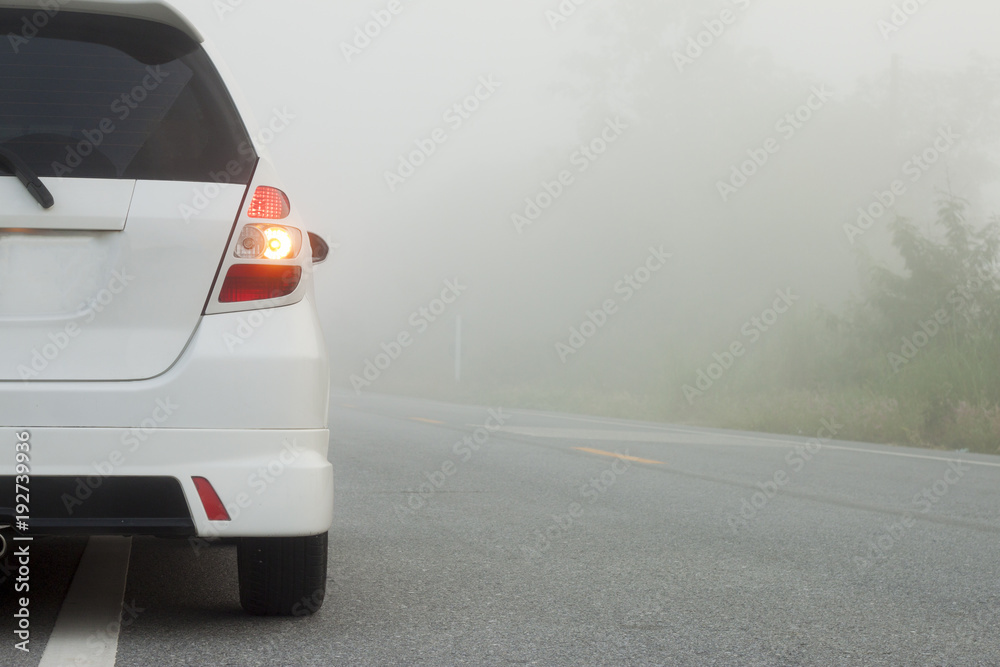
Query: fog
x=742, y=159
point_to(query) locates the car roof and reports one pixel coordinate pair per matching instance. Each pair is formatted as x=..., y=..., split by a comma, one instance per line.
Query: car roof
x=150, y=10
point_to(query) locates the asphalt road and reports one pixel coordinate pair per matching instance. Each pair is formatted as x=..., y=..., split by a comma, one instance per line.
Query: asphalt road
x=459, y=539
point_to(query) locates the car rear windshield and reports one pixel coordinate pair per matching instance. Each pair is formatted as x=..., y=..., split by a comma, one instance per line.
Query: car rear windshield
x=90, y=96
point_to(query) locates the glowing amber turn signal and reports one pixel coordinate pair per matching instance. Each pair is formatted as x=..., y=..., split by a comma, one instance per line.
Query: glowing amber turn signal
x=279, y=243
x=272, y=242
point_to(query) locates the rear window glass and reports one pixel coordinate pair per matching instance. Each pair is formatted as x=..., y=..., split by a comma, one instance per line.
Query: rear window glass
x=90, y=96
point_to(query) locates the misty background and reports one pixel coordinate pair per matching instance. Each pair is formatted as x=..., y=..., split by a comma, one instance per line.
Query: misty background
x=560, y=73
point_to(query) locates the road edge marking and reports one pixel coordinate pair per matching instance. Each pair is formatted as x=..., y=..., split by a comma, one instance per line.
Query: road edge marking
x=89, y=622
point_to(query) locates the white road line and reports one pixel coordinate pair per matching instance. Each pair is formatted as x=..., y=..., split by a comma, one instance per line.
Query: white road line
x=770, y=441
x=658, y=437
x=86, y=631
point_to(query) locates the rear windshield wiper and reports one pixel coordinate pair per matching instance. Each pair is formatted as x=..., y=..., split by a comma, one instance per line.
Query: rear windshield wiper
x=28, y=177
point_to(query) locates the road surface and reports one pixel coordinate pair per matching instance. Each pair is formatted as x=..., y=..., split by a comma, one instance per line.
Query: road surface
x=488, y=536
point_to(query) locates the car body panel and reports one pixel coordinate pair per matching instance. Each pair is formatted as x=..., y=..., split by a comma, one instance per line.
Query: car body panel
x=82, y=205
x=163, y=381
x=258, y=369
x=128, y=302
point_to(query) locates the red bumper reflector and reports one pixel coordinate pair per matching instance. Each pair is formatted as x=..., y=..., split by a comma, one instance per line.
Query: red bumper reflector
x=255, y=282
x=214, y=508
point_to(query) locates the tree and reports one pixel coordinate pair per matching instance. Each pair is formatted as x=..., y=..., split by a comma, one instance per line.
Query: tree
x=950, y=267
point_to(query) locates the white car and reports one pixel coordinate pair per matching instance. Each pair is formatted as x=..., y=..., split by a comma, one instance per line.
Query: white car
x=162, y=367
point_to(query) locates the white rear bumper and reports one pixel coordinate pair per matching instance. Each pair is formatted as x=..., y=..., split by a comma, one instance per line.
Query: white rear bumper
x=273, y=483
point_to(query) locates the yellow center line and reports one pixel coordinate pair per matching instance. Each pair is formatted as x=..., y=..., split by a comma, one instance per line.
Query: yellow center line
x=618, y=456
x=426, y=421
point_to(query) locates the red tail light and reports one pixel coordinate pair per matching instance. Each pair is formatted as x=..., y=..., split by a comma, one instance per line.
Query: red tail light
x=214, y=508
x=254, y=282
x=269, y=204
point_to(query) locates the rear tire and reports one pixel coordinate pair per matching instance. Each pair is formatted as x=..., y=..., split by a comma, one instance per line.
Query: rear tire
x=282, y=576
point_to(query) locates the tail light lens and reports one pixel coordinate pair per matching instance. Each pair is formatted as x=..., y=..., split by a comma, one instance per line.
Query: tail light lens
x=268, y=253
x=274, y=242
x=256, y=282
x=269, y=204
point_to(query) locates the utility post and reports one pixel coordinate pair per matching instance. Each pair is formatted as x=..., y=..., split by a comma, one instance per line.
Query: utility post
x=458, y=349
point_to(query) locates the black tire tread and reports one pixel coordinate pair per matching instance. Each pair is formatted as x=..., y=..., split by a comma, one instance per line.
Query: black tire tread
x=282, y=576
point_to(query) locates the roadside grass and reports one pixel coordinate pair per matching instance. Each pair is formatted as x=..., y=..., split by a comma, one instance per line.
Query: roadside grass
x=947, y=397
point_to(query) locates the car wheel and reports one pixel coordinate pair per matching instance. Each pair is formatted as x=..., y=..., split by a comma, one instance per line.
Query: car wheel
x=282, y=576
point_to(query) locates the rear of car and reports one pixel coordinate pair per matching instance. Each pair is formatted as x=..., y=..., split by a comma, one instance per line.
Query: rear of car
x=162, y=370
